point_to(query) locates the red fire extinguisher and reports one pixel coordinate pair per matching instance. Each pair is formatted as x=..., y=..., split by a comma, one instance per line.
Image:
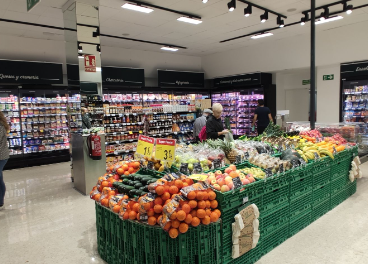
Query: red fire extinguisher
x=94, y=146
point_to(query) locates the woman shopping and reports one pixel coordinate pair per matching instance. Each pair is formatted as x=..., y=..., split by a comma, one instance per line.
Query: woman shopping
x=4, y=155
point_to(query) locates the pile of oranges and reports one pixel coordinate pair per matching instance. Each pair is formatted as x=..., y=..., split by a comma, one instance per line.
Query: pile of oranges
x=198, y=207
x=125, y=167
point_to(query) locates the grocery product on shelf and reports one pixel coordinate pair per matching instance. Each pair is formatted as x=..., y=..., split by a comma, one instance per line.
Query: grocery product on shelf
x=74, y=113
x=94, y=105
x=355, y=103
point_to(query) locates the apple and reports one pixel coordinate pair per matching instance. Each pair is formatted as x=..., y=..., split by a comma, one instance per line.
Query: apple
x=219, y=177
x=217, y=187
x=225, y=188
x=228, y=170
x=221, y=181
x=213, y=182
x=245, y=181
x=218, y=172
x=211, y=178
x=211, y=174
x=251, y=179
x=226, y=174
x=238, y=172
x=228, y=179
x=230, y=185
x=232, y=167
x=250, y=175
x=116, y=177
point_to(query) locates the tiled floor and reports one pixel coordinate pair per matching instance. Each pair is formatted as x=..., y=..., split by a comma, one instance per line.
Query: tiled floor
x=47, y=221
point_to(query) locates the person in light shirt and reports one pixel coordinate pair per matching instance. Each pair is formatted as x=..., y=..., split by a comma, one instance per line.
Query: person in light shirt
x=200, y=122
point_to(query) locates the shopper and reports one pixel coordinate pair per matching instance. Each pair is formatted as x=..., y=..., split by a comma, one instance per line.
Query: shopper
x=214, y=126
x=263, y=115
x=4, y=155
x=200, y=122
x=85, y=119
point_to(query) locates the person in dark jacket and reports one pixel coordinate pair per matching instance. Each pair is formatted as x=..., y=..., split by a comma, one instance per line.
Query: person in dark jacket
x=4, y=155
x=263, y=115
x=86, y=123
x=214, y=126
x=200, y=122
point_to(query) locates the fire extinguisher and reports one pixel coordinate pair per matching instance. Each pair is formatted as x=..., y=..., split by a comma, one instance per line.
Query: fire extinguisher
x=94, y=146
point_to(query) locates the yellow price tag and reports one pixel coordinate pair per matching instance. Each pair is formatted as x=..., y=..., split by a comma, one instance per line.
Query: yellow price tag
x=198, y=177
x=140, y=131
x=165, y=149
x=145, y=145
x=130, y=132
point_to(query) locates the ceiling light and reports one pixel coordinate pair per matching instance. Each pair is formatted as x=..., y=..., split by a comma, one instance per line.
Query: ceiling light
x=80, y=56
x=80, y=49
x=348, y=8
x=262, y=35
x=98, y=48
x=302, y=21
x=329, y=20
x=204, y=1
x=231, y=5
x=190, y=20
x=280, y=22
x=325, y=14
x=169, y=48
x=264, y=17
x=96, y=34
x=137, y=8
x=248, y=11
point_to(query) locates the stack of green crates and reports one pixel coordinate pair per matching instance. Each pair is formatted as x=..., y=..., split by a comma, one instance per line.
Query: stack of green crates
x=126, y=242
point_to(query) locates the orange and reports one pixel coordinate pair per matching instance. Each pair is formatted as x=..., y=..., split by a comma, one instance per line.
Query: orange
x=183, y=228
x=191, y=195
x=120, y=171
x=208, y=212
x=201, y=213
x=200, y=196
x=166, y=196
x=174, y=195
x=195, y=221
x=192, y=204
x=105, y=202
x=125, y=167
x=126, y=216
x=104, y=184
x=218, y=212
x=188, y=219
x=179, y=184
x=138, y=215
x=136, y=165
x=208, y=204
x=206, y=220
x=214, y=217
x=201, y=204
x=182, y=202
x=211, y=195
x=186, y=208
x=175, y=223
x=167, y=226
x=166, y=188
x=158, y=209
x=173, y=189
x=185, y=184
x=147, y=206
x=159, y=219
x=158, y=200
x=167, y=201
x=233, y=174
x=160, y=190
x=152, y=220
x=116, y=209
x=97, y=197
x=126, y=173
x=205, y=195
x=193, y=213
x=214, y=204
x=173, y=216
x=136, y=207
x=173, y=233
x=151, y=212
x=125, y=197
x=131, y=169
x=181, y=215
x=132, y=215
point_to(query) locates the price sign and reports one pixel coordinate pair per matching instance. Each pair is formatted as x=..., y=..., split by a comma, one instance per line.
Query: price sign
x=316, y=157
x=238, y=159
x=165, y=149
x=281, y=168
x=237, y=182
x=216, y=163
x=302, y=162
x=184, y=168
x=150, y=165
x=145, y=145
x=268, y=172
x=295, y=163
x=334, y=150
x=197, y=168
x=246, y=155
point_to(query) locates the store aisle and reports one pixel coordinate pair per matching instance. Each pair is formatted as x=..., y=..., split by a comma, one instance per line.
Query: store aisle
x=47, y=221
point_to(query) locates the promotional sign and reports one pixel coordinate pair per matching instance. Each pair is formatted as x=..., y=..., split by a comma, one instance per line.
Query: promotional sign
x=145, y=146
x=239, y=80
x=354, y=69
x=115, y=76
x=165, y=149
x=180, y=79
x=90, y=63
x=24, y=72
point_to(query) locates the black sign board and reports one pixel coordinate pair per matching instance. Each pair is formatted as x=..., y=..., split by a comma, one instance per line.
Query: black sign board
x=88, y=88
x=243, y=80
x=180, y=79
x=184, y=168
x=73, y=74
x=116, y=76
x=24, y=72
x=354, y=69
x=237, y=182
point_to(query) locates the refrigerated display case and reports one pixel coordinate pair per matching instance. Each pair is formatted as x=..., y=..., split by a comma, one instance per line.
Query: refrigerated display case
x=74, y=113
x=355, y=98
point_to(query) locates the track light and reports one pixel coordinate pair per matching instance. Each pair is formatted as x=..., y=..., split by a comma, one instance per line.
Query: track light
x=264, y=17
x=248, y=11
x=204, y=1
x=348, y=8
x=189, y=20
x=304, y=19
x=325, y=14
x=231, y=5
x=266, y=34
x=80, y=49
x=80, y=56
x=97, y=33
x=98, y=48
x=137, y=8
x=169, y=48
x=329, y=20
x=280, y=22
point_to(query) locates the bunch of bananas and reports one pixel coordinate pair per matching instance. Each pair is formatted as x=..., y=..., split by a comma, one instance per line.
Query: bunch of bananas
x=307, y=149
x=300, y=139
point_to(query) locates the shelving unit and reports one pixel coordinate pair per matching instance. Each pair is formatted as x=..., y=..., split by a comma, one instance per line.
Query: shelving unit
x=355, y=103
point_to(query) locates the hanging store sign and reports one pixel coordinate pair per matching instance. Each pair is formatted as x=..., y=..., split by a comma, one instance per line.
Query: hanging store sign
x=243, y=80
x=24, y=72
x=354, y=69
x=90, y=63
x=180, y=79
x=123, y=76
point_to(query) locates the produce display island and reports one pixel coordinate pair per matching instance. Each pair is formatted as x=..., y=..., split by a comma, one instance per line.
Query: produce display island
x=286, y=201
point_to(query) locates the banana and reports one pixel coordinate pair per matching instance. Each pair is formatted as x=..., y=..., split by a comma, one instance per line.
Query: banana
x=309, y=155
x=300, y=152
x=327, y=153
x=304, y=157
x=309, y=149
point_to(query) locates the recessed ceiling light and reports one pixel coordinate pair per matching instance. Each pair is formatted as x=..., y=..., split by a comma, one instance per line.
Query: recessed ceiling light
x=137, y=8
x=262, y=35
x=204, y=1
x=328, y=20
x=190, y=20
x=169, y=48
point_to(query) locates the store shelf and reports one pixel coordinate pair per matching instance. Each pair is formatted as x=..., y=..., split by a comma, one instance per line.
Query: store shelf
x=120, y=141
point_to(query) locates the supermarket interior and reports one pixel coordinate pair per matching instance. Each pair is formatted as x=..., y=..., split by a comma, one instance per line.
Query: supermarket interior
x=183, y=132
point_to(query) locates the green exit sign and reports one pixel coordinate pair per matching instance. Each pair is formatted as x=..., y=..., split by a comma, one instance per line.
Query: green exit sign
x=306, y=82
x=328, y=77
x=31, y=4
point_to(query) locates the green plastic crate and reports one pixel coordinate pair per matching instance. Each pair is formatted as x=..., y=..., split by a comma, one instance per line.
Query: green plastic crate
x=273, y=219
x=300, y=221
x=339, y=184
x=274, y=239
x=300, y=183
x=351, y=187
x=320, y=209
x=276, y=197
x=321, y=178
x=338, y=198
x=321, y=194
x=301, y=204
